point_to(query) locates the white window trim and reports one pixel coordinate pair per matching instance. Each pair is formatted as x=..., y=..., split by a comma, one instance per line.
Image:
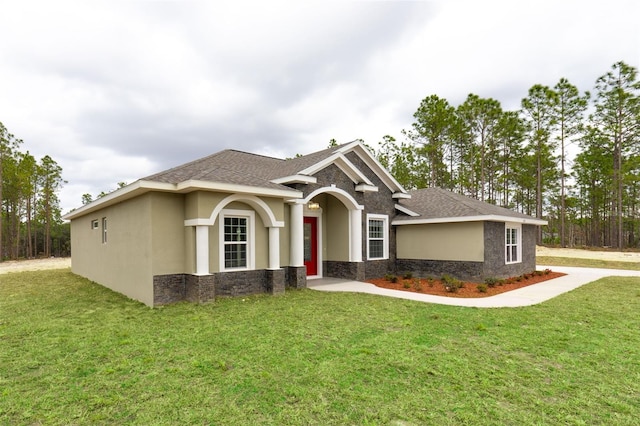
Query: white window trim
x=104, y=230
x=251, y=238
x=95, y=224
x=385, y=223
x=518, y=228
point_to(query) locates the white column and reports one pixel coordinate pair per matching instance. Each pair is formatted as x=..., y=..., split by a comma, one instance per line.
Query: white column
x=202, y=250
x=356, y=235
x=296, y=249
x=274, y=248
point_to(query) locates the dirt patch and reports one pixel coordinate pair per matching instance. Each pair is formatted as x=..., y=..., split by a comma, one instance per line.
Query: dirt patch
x=623, y=256
x=34, y=264
x=437, y=287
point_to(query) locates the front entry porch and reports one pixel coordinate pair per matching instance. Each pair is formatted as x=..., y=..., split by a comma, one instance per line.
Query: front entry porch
x=326, y=234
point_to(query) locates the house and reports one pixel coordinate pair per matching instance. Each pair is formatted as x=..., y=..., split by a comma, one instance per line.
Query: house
x=236, y=223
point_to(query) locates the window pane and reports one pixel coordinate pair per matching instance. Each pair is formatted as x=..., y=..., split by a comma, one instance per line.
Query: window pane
x=511, y=249
x=235, y=238
x=376, y=238
x=376, y=229
x=376, y=249
x=235, y=255
x=235, y=229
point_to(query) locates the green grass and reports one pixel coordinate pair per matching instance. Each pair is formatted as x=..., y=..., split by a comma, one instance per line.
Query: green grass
x=75, y=353
x=587, y=263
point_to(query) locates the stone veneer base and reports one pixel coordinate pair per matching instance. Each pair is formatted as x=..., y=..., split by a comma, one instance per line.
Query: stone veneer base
x=296, y=277
x=173, y=288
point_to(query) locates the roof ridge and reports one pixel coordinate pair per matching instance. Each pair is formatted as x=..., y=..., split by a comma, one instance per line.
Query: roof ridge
x=251, y=153
x=188, y=163
x=206, y=159
x=234, y=171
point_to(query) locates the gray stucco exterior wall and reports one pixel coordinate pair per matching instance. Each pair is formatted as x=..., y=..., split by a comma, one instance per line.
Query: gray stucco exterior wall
x=494, y=253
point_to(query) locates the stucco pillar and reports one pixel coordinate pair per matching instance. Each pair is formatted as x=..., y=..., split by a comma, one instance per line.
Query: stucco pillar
x=356, y=235
x=296, y=251
x=274, y=248
x=202, y=250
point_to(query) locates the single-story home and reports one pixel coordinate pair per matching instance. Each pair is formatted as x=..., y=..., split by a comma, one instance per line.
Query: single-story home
x=237, y=223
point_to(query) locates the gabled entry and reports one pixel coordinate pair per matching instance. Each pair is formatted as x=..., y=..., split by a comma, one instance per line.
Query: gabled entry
x=311, y=245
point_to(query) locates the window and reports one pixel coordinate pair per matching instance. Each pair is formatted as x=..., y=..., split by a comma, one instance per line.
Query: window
x=237, y=240
x=95, y=224
x=377, y=237
x=104, y=230
x=513, y=243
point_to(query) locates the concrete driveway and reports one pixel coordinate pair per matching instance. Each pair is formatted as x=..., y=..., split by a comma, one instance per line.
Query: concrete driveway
x=525, y=296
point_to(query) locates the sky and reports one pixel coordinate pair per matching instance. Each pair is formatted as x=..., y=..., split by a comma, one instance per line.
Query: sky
x=117, y=90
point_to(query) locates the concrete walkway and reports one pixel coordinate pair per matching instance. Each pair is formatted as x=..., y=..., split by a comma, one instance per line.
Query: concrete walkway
x=525, y=296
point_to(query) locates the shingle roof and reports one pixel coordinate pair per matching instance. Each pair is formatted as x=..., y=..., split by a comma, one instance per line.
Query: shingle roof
x=241, y=168
x=228, y=166
x=437, y=203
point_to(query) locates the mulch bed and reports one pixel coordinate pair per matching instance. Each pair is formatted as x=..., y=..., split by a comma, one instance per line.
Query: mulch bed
x=437, y=287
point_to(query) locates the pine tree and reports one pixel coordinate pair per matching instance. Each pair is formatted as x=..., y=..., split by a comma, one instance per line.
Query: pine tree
x=617, y=121
x=568, y=113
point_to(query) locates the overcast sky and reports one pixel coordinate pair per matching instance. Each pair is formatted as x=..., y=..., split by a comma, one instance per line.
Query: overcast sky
x=116, y=90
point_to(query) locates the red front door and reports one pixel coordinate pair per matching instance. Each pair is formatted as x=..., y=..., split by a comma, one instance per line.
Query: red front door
x=311, y=245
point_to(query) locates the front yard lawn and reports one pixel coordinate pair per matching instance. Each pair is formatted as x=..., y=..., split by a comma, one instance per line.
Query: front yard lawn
x=73, y=352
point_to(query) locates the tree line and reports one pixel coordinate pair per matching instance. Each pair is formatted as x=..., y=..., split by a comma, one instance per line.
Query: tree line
x=30, y=217
x=519, y=159
x=516, y=159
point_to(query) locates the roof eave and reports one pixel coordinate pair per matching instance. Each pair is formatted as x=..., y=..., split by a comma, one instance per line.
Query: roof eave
x=196, y=185
x=406, y=211
x=141, y=187
x=481, y=218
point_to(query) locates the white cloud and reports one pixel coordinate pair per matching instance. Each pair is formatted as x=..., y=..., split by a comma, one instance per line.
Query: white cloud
x=114, y=91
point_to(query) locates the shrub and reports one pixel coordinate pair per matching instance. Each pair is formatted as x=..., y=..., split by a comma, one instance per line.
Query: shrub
x=407, y=275
x=482, y=288
x=393, y=279
x=491, y=282
x=451, y=284
x=406, y=284
x=430, y=281
x=454, y=286
x=417, y=285
x=446, y=278
x=538, y=273
x=388, y=276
